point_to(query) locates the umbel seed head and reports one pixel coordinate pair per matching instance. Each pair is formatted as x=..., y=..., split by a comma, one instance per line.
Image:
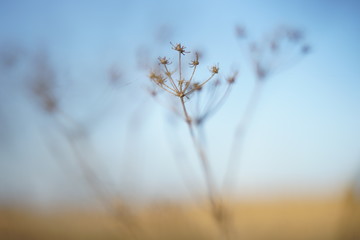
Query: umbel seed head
x=176, y=84
x=186, y=88
x=178, y=47
x=214, y=69
x=164, y=61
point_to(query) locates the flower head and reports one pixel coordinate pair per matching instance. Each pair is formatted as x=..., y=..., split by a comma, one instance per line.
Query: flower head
x=164, y=61
x=176, y=83
x=195, y=62
x=178, y=47
x=214, y=69
x=197, y=86
x=157, y=78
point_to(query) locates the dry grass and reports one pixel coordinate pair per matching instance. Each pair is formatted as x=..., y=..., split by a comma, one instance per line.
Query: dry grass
x=282, y=219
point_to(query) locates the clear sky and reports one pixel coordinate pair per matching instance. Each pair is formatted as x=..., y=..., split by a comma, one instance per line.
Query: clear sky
x=305, y=134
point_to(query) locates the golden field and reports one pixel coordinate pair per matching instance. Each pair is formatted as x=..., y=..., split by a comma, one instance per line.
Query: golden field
x=306, y=218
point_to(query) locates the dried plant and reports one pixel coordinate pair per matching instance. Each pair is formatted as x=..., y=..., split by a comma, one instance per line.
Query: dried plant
x=186, y=90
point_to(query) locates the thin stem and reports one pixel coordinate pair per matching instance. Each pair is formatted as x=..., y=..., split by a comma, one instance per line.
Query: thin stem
x=216, y=206
x=212, y=75
x=238, y=141
x=167, y=89
x=171, y=79
x=202, y=84
x=203, y=158
x=218, y=104
x=189, y=82
x=180, y=66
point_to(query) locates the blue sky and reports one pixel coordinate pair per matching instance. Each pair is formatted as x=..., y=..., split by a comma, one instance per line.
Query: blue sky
x=305, y=130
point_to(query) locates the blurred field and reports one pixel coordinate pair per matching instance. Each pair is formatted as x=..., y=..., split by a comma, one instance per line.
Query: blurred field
x=307, y=218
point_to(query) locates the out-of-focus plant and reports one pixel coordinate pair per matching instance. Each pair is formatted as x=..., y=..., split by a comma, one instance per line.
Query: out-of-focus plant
x=279, y=50
x=43, y=86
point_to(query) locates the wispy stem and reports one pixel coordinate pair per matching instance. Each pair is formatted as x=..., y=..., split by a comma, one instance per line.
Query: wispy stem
x=215, y=203
x=239, y=137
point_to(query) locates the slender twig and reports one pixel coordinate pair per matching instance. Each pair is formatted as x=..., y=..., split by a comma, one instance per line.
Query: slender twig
x=216, y=204
x=239, y=137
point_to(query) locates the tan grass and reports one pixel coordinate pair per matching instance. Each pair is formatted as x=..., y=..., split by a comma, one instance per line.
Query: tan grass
x=299, y=219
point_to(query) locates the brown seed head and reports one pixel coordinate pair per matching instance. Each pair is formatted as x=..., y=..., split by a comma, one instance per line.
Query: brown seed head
x=178, y=47
x=195, y=62
x=197, y=86
x=164, y=61
x=152, y=75
x=214, y=69
x=158, y=78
